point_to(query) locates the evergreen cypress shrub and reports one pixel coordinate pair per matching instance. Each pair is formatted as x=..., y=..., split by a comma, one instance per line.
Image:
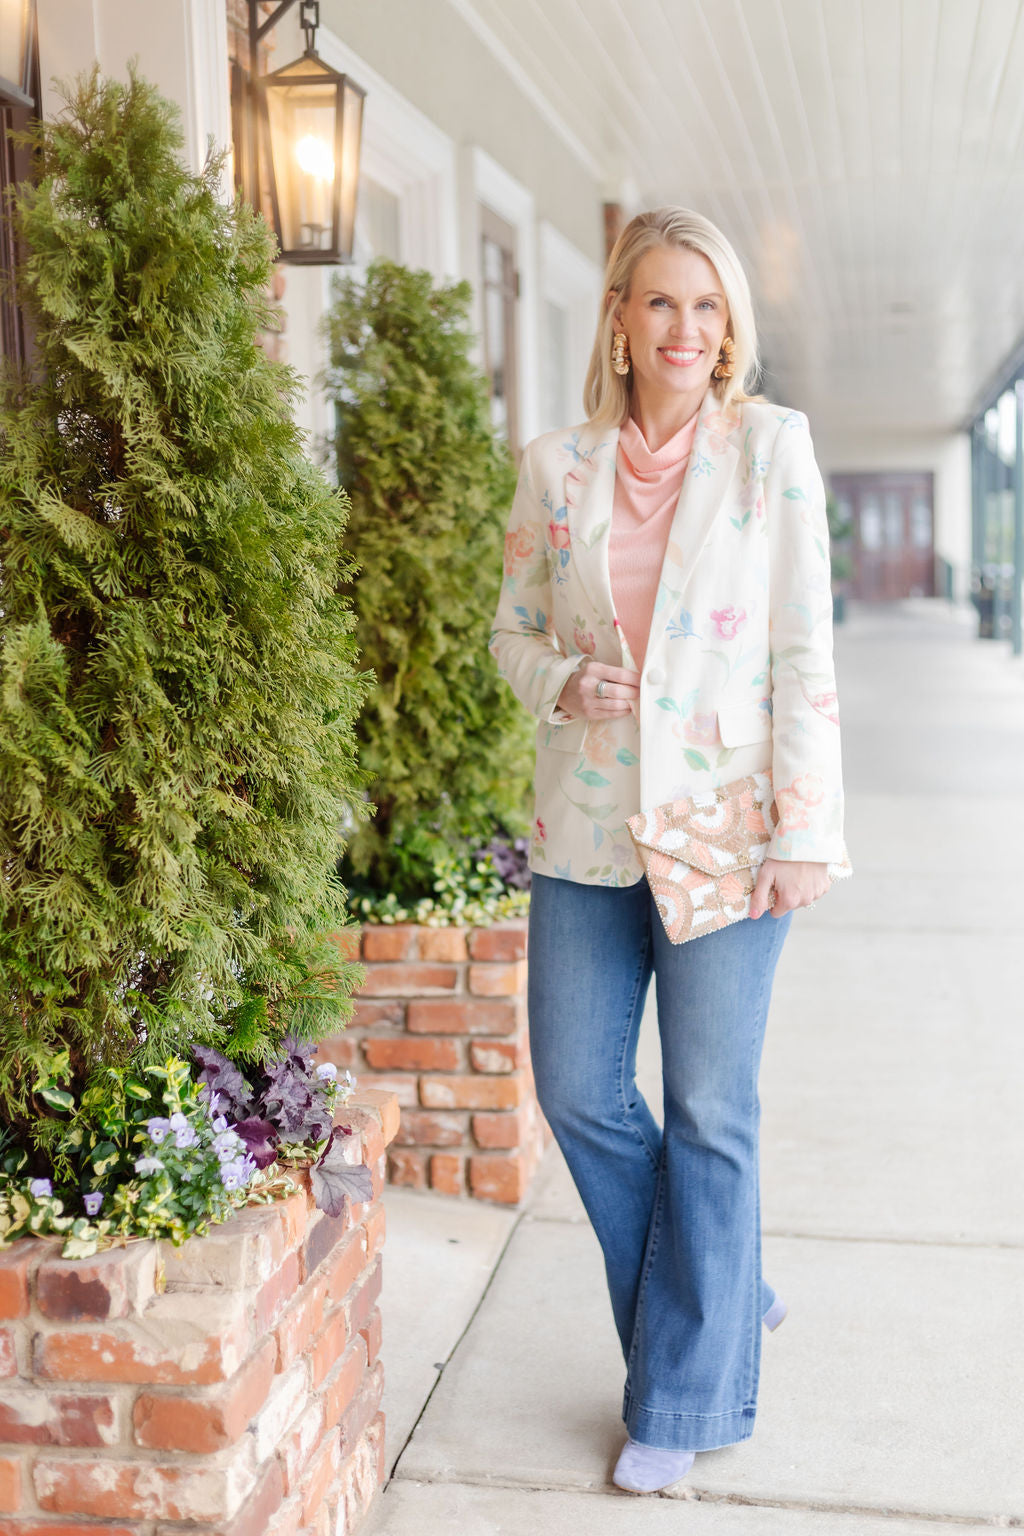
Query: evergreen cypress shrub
x=445, y=744
x=178, y=677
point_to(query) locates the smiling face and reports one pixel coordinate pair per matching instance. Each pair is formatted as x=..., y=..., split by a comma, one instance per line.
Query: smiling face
x=675, y=318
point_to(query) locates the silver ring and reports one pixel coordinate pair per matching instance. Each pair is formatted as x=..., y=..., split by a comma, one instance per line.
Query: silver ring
x=600, y=688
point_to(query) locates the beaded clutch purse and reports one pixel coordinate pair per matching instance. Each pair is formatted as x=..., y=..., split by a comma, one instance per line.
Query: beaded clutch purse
x=701, y=855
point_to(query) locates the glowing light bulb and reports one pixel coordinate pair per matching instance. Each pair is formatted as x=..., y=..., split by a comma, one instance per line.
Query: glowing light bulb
x=315, y=158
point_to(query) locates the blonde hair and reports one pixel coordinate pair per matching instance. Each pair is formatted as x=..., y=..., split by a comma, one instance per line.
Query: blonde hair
x=606, y=393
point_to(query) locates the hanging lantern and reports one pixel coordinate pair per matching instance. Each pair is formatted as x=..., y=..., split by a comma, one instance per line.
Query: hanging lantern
x=312, y=122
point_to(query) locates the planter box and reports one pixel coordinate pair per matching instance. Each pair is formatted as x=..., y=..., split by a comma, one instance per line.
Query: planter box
x=441, y=1023
x=230, y=1386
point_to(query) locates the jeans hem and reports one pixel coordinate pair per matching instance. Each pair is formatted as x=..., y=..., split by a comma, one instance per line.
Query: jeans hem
x=686, y=1431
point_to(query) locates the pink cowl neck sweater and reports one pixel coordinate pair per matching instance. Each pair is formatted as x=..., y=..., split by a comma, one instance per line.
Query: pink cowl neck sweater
x=647, y=487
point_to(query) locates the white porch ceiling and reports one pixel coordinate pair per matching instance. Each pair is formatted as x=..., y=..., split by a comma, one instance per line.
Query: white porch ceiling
x=864, y=156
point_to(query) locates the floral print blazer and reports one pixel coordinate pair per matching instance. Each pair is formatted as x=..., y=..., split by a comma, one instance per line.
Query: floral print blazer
x=738, y=675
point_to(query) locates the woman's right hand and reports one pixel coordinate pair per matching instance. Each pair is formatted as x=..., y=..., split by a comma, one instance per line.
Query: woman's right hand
x=620, y=691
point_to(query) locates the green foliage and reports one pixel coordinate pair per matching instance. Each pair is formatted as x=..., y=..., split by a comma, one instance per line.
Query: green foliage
x=840, y=529
x=445, y=743
x=468, y=893
x=141, y=1158
x=178, y=676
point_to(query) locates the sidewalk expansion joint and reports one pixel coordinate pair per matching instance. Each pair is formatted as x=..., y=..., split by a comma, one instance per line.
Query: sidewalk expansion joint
x=983, y=1244
x=695, y=1495
x=443, y=1364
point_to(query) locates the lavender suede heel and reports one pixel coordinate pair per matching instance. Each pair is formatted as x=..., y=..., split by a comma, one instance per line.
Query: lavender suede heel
x=775, y=1314
x=646, y=1469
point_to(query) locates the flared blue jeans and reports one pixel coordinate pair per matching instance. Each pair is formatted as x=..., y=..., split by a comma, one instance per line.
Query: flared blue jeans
x=676, y=1211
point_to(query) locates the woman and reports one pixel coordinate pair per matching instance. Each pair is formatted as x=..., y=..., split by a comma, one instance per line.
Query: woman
x=666, y=614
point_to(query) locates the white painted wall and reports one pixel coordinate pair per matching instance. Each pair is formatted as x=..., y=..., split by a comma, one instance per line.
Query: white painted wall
x=181, y=46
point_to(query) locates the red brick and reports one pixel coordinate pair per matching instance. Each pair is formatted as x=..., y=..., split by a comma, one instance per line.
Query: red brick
x=420, y=1128
x=502, y=1179
x=408, y=978
x=413, y=1055
x=407, y=1169
x=323, y=1235
x=447, y=1175
x=112, y=1284
x=169, y=1422
x=302, y=1320
x=34, y=1526
x=363, y=1410
x=443, y=944
x=90, y=1355
x=472, y=1092
x=496, y=1055
x=508, y=1129
x=373, y=1335
x=347, y=941
x=319, y=1474
x=490, y=980
x=382, y=1103
x=148, y=1490
x=8, y=1353
x=255, y=1516
x=275, y=1295
x=43, y=1418
x=403, y=1088
x=373, y=1015
x=15, y=1269
x=364, y=1124
x=463, y=1016
x=364, y=1300
x=376, y=1228
x=345, y=1266
x=10, y=1485
x=342, y=1050
x=344, y=1381
x=329, y=1345
x=389, y=942
x=297, y=1447
x=507, y=942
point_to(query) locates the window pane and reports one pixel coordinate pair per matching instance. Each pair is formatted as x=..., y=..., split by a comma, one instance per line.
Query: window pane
x=920, y=524
x=893, y=520
x=870, y=523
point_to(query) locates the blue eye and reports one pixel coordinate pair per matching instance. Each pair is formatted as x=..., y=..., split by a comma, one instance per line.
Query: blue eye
x=658, y=301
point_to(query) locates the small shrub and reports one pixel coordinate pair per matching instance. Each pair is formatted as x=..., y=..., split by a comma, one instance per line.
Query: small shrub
x=444, y=742
x=178, y=677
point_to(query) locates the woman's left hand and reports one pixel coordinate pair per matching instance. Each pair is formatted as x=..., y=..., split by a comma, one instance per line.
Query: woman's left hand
x=798, y=883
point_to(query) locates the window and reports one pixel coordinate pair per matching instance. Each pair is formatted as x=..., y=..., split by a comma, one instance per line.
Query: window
x=500, y=290
x=19, y=101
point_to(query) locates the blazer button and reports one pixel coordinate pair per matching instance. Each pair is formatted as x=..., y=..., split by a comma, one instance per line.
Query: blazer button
x=655, y=676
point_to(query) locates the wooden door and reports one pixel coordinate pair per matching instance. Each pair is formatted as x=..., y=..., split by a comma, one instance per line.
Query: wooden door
x=893, y=545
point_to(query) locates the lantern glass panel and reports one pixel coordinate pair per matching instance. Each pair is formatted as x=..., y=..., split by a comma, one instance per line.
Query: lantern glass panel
x=351, y=147
x=302, y=113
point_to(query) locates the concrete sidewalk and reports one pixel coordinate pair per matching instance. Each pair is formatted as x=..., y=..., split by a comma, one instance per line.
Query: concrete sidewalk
x=893, y=1151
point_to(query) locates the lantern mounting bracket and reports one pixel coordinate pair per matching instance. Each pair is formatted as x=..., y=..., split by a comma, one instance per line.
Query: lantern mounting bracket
x=258, y=30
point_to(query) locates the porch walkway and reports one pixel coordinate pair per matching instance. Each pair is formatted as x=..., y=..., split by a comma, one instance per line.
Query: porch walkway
x=893, y=1397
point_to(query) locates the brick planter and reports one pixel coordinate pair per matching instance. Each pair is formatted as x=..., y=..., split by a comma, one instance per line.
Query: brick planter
x=441, y=1023
x=230, y=1386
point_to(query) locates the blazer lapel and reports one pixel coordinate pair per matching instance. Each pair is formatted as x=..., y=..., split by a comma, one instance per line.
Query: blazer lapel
x=589, y=495
x=709, y=476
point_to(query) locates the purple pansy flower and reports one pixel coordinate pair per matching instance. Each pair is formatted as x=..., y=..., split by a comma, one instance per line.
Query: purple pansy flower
x=40, y=1188
x=92, y=1202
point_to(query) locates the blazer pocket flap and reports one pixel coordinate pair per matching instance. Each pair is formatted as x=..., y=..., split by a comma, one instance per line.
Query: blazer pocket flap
x=567, y=737
x=739, y=724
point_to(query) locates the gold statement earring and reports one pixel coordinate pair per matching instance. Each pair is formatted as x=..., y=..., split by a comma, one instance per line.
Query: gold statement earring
x=621, y=360
x=726, y=366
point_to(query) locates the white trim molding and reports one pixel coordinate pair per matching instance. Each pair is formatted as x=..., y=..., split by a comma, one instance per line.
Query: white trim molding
x=412, y=158
x=510, y=200
x=573, y=282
